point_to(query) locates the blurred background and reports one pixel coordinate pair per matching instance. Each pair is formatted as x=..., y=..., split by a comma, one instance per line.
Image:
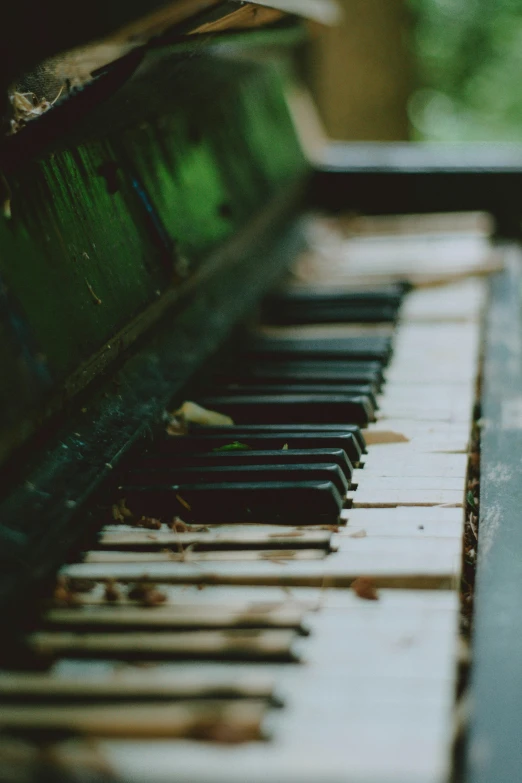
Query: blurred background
x=427, y=70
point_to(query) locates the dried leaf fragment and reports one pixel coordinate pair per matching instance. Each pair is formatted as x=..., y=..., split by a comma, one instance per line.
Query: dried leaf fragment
x=120, y=512
x=364, y=587
x=146, y=593
x=154, y=598
x=63, y=594
x=178, y=526
x=175, y=427
x=193, y=413
x=111, y=593
x=151, y=523
x=382, y=437
x=81, y=585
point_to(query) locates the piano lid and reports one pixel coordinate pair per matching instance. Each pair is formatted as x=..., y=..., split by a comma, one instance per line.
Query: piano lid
x=49, y=28
x=324, y=11
x=106, y=38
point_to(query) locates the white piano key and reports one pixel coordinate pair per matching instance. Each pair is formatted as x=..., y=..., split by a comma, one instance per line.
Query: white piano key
x=434, y=562
x=180, y=719
x=368, y=496
x=87, y=680
x=399, y=461
x=174, y=618
x=367, y=482
x=221, y=535
x=374, y=672
x=420, y=514
x=462, y=301
x=402, y=521
x=310, y=599
x=109, y=556
x=429, y=437
x=238, y=643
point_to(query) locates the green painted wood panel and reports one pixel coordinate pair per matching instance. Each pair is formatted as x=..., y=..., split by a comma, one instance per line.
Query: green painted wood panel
x=74, y=255
x=124, y=207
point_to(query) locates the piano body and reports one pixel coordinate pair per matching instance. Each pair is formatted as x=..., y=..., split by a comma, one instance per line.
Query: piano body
x=264, y=583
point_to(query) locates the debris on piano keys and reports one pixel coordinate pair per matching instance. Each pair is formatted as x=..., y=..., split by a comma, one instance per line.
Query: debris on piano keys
x=341, y=482
x=192, y=413
x=364, y=587
x=146, y=593
x=121, y=514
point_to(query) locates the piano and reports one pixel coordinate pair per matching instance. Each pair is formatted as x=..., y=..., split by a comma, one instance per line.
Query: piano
x=247, y=397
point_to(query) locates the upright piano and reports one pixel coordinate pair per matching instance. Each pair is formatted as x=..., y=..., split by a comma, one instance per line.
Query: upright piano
x=260, y=416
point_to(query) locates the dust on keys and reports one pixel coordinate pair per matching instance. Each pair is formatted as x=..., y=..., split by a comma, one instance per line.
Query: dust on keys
x=298, y=618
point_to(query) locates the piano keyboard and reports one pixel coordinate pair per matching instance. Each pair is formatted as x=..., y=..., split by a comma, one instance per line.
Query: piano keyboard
x=278, y=599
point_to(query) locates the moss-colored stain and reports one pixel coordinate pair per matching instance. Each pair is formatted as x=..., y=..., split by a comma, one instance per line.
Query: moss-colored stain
x=67, y=239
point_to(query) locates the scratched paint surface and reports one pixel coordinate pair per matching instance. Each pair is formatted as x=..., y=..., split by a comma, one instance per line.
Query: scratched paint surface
x=74, y=255
x=495, y=749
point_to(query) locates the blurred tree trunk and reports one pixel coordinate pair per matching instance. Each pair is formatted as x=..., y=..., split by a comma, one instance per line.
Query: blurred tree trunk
x=361, y=71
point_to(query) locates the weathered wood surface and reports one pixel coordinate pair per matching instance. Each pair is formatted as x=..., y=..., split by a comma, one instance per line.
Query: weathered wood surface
x=495, y=752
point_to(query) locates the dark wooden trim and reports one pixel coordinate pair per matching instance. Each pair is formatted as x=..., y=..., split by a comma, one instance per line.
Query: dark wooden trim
x=378, y=178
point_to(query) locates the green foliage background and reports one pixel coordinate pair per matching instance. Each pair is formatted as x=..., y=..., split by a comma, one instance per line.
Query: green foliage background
x=469, y=56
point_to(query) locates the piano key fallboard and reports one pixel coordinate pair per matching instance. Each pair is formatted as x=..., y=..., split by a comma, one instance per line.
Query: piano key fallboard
x=278, y=599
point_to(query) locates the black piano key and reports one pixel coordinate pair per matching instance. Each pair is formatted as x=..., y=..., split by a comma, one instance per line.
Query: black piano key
x=258, y=441
x=275, y=429
x=303, y=371
x=320, y=306
x=343, y=349
x=391, y=294
x=329, y=314
x=242, y=473
x=280, y=457
x=362, y=389
x=293, y=408
x=275, y=502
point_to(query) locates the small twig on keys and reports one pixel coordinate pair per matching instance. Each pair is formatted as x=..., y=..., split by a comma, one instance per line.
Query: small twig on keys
x=472, y=526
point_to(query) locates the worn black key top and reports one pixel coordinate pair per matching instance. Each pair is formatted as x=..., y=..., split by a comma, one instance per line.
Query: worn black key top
x=293, y=408
x=339, y=348
x=346, y=440
x=242, y=473
x=276, y=502
x=239, y=458
x=315, y=306
x=360, y=389
x=290, y=370
x=391, y=294
x=275, y=429
x=330, y=314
